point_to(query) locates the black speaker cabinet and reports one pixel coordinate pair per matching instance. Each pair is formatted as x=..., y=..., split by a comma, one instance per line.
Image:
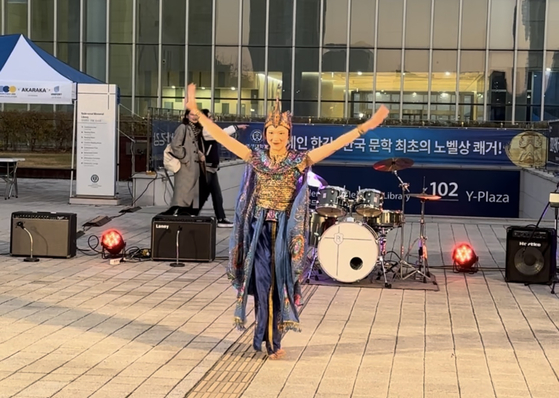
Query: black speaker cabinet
x=196, y=238
x=54, y=234
x=531, y=255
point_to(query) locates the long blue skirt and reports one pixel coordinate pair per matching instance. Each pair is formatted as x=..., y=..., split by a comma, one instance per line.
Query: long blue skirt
x=265, y=291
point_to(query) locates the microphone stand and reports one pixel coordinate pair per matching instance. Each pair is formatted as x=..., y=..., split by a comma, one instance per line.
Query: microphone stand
x=29, y=259
x=176, y=263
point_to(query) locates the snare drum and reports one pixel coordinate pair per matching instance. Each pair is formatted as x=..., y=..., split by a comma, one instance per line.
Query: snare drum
x=332, y=201
x=369, y=202
x=387, y=219
x=348, y=251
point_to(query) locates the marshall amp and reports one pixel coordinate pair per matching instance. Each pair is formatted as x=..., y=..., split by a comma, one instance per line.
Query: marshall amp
x=54, y=234
x=195, y=236
x=531, y=255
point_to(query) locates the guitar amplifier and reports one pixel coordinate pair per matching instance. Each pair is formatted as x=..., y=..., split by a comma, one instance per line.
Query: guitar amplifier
x=54, y=234
x=531, y=255
x=196, y=238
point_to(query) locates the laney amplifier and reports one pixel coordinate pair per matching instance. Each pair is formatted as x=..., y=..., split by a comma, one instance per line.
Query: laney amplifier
x=194, y=238
x=54, y=234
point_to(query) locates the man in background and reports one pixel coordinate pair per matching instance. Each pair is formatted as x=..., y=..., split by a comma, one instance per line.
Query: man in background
x=212, y=150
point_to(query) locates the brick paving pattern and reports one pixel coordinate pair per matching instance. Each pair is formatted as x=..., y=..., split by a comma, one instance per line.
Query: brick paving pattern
x=83, y=328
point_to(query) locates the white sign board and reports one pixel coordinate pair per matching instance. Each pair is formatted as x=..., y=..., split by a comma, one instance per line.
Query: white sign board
x=97, y=140
x=14, y=92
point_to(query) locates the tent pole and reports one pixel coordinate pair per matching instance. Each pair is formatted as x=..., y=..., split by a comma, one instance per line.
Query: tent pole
x=73, y=148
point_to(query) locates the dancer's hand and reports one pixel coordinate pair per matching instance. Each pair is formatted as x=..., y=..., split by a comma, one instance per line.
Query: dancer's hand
x=242, y=126
x=376, y=120
x=190, y=98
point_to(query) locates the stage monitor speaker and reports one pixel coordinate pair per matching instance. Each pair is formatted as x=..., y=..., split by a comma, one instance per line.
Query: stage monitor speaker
x=531, y=255
x=196, y=235
x=54, y=234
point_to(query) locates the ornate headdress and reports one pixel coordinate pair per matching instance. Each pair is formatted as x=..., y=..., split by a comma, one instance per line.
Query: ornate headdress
x=276, y=118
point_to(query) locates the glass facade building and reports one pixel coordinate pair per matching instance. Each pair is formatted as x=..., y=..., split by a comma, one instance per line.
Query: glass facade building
x=465, y=60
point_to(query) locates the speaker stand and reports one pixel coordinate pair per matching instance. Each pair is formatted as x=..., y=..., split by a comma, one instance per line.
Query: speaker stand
x=176, y=263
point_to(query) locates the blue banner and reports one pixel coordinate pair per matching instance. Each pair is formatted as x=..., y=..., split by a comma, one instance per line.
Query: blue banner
x=429, y=146
x=473, y=193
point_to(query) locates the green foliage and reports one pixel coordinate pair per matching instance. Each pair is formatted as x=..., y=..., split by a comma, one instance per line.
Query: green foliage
x=51, y=131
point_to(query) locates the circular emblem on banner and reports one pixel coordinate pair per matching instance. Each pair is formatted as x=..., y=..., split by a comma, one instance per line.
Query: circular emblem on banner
x=256, y=136
x=528, y=149
x=94, y=178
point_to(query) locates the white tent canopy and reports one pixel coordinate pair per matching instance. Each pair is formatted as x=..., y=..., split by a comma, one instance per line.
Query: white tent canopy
x=30, y=75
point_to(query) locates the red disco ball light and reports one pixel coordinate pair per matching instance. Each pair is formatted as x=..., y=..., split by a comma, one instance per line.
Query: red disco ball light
x=464, y=258
x=112, y=242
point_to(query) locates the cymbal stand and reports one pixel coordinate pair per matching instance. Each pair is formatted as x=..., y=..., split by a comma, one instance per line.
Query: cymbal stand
x=403, y=262
x=422, y=265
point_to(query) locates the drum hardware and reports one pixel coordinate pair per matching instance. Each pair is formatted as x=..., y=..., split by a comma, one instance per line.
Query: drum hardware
x=313, y=267
x=422, y=265
x=393, y=165
x=404, y=186
x=382, y=257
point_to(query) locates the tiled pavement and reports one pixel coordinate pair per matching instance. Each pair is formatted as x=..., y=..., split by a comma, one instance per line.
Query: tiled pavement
x=81, y=327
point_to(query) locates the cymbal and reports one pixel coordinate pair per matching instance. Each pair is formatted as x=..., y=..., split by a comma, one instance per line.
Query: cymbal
x=393, y=164
x=424, y=196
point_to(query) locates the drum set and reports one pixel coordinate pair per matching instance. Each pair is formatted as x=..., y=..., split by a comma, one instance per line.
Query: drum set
x=349, y=247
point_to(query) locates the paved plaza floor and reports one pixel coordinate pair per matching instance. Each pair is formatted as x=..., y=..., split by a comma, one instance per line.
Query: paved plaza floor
x=81, y=327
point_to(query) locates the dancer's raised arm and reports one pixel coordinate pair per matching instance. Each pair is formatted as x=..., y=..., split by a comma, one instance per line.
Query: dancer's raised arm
x=215, y=131
x=320, y=153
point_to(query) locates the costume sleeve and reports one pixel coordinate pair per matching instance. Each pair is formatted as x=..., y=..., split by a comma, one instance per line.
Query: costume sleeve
x=301, y=161
x=256, y=158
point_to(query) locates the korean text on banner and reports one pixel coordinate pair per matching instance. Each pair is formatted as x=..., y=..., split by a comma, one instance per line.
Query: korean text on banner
x=440, y=146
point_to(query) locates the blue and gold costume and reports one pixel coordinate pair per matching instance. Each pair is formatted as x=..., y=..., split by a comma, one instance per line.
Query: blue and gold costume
x=267, y=250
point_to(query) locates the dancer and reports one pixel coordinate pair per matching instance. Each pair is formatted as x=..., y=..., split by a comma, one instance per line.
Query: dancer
x=267, y=250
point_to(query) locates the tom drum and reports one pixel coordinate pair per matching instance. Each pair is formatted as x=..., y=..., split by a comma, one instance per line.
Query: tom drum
x=332, y=201
x=369, y=202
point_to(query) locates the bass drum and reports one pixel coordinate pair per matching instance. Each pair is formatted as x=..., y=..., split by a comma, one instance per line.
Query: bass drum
x=348, y=251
